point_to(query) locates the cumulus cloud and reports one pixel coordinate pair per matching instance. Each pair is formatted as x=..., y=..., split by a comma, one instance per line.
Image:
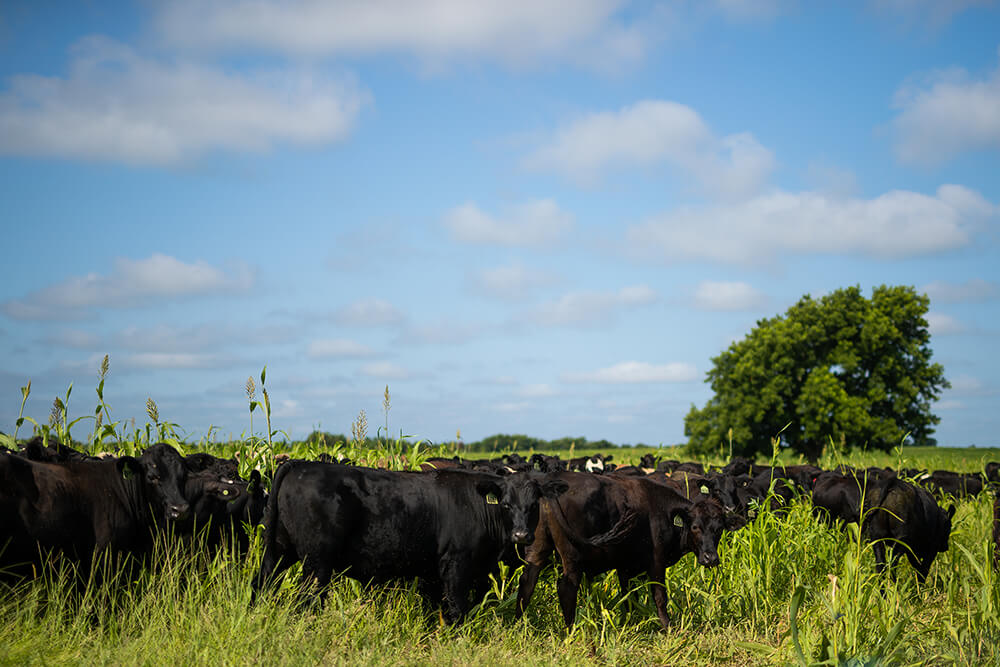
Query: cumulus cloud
x=896, y=224
x=710, y=295
x=653, y=132
x=589, y=308
x=946, y=113
x=637, y=372
x=532, y=224
x=369, y=313
x=131, y=283
x=516, y=32
x=337, y=348
x=513, y=282
x=116, y=105
x=940, y=324
x=971, y=291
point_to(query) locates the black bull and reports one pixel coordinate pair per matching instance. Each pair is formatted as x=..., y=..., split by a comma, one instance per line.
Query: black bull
x=448, y=528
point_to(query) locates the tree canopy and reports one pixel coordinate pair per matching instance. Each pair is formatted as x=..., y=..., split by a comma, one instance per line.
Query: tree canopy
x=841, y=368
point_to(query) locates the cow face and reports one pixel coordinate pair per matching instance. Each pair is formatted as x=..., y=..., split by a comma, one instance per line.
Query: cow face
x=703, y=523
x=164, y=475
x=518, y=497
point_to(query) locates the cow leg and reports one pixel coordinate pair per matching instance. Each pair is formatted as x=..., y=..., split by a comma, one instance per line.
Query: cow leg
x=623, y=595
x=535, y=558
x=526, y=587
x=878, y=548
x=455, y=585
x=660, y=600
x=569, y=584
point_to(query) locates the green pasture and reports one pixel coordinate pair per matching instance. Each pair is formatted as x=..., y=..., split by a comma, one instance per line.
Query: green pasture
x=789, y=591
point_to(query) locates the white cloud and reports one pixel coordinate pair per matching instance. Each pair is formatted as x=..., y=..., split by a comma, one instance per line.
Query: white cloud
x=974, y=290
x=945, y=114
x=175, y=360
x=537, y=391
x=337, y=348
x=592, y=307
x=711, y=295
x=369, y=313
x=117, y=105
x=637, y=372
x=896, y=224
x=385, y=370
x=940, y=324
x=513, y=282
x=651, y=132
x=517, y=32
x=535, y=223
x=131, y=283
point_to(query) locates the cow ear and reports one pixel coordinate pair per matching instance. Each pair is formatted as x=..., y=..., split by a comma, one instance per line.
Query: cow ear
x=489, y=489
x=554, y=488
x=951, y=511
x=734, y=521
x=254, y=482
x=680, y=517
x=128, y=467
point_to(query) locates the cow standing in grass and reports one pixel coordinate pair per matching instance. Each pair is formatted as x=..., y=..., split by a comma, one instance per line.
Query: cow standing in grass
x=628, y=524
x=84, y=507
x=448, y=528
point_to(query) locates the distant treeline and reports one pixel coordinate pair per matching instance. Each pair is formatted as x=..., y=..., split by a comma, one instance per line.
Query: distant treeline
x=501, y=442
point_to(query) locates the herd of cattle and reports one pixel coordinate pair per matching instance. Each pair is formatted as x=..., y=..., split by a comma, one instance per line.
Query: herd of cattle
x=451, y=524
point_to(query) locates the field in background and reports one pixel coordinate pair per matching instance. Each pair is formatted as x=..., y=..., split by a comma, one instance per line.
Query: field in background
x=789, y=590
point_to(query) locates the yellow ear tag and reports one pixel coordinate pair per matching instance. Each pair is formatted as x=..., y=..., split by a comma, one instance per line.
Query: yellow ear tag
x=491, y=499
x=678, y=521
x=704, y=489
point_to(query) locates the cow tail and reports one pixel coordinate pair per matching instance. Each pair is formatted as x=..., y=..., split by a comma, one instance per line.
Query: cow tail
x=615, y=535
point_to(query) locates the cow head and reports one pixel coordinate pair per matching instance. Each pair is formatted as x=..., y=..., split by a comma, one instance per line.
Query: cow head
x=518, y=497
x=163, y=477
x=702, y=524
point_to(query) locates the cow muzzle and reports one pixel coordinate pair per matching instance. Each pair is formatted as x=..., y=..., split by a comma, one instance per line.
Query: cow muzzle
x=522, y=537
x=708, y=560
x=178, y=512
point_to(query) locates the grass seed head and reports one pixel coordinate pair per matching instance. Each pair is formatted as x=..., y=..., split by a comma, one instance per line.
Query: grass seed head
x=152, y=411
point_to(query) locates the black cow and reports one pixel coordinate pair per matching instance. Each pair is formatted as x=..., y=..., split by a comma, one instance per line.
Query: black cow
x=53, y=451
x=546, y=463
x=906, y=519
x=448, y=528
x=959, y=485
x=627, y=524
x=82, y=507
x=220, y=500
x=838, y=497
x=992, y=472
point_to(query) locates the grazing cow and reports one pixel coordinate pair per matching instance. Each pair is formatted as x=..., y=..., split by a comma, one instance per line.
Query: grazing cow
x=838, y=497
x=546, y=463
x=448, y=528
x=905, y=518
x=82, y=507
x=595, y=464
x=955, y=484
x=627, y=524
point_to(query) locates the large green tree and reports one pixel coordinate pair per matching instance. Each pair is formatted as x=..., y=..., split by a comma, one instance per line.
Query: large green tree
x=841, y=368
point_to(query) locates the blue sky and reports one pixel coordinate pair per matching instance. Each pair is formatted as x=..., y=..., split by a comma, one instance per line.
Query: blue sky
x=523, y=217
